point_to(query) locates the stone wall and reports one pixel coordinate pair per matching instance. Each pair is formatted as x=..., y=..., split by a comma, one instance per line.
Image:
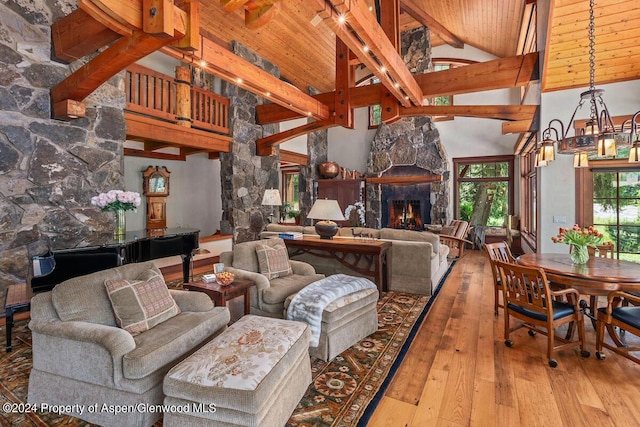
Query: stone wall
x=412, y=141
x=50, y=169
x=243, y=174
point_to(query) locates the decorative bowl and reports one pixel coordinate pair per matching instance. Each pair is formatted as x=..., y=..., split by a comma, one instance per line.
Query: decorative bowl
x=225, y=277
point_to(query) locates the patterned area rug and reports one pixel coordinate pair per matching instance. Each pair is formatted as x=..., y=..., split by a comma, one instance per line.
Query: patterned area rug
x=344, y=392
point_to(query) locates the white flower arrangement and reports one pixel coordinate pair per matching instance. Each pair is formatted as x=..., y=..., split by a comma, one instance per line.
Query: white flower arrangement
x=360, y=219
x=114, y=200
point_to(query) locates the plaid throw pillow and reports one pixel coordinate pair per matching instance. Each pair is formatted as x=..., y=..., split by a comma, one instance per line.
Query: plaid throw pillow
x=273, y=261
x=141, y=304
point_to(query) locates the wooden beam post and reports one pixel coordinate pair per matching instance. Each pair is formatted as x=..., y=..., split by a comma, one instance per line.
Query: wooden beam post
x=345, y=80
x=390, y=23
x=418, y=13
x=183, y=96
x=157, y=17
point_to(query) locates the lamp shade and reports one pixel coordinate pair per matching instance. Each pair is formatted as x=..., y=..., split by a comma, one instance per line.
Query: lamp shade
x=326, y=211
x=271, y=198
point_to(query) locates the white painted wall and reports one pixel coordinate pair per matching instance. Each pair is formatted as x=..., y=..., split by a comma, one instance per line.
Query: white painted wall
x=350, y=147
x=195, y=199
x=298, y=144
x=557, y=181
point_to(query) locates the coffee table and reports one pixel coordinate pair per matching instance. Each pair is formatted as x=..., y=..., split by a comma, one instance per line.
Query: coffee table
x=220, y=294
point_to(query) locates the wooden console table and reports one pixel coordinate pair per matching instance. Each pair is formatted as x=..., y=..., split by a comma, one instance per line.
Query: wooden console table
x=372, y=252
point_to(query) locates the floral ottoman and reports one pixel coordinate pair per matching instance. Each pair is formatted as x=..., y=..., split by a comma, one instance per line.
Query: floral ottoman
x=252, y=374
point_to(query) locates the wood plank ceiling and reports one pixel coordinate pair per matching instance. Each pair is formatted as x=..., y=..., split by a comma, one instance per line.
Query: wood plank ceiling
x=617, y=50
x=305, y=53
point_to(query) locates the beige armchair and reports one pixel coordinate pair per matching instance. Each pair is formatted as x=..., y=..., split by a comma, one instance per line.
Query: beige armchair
x=268, y=296
x=82, y=358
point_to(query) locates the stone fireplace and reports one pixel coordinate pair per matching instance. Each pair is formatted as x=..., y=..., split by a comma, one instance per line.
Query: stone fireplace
x=410, y=148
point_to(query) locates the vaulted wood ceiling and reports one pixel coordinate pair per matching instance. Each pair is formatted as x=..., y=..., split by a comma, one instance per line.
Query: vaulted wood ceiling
x=305, y=53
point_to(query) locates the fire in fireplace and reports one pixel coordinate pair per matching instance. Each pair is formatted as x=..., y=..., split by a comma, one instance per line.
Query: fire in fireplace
x=405, y=214
x=406, y=206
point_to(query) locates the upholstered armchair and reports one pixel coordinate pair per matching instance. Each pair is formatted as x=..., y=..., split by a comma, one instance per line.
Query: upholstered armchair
x=276, y=277
x=82, y=357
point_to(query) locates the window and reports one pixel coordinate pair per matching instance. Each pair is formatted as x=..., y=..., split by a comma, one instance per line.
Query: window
x=529, y=198
x=290, y=192
x=616, y=210
x=483, y=188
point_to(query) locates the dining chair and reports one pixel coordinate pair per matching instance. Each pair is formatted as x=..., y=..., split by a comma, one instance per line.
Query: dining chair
x=605, y=250
x=498, y=251
x=528, y=297
x=625, y=318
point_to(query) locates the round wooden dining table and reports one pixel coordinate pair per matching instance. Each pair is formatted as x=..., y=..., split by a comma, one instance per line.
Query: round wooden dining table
x=598, y=276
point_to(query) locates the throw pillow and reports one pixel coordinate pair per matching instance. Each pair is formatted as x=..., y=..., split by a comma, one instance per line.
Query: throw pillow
x=141, y=304
x=273, y=261
x=448, y=230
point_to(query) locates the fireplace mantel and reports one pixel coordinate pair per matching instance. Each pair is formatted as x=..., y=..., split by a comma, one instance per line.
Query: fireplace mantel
x=403, y=180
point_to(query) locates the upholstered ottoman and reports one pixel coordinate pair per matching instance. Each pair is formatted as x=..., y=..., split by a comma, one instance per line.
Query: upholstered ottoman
x=252, y=374
x=345, y=321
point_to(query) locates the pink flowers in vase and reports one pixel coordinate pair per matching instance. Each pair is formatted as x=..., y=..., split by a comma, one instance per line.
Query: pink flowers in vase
x=114, y=200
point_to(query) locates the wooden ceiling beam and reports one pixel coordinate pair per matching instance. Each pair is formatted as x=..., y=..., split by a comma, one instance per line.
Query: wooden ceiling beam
x=134, y=152
x=499, y=112
x=357, y=28
x=519, y=126
x=501, y=73
x=267, y=146
x=418, y=13
x=125, y=19
x=230, y=67
x=293, y=157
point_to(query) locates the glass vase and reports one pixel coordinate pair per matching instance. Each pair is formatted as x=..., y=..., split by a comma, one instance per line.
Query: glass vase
x=121, y=224
x=579, y=254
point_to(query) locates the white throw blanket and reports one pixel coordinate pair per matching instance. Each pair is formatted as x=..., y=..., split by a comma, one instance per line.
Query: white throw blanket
x=308, y=304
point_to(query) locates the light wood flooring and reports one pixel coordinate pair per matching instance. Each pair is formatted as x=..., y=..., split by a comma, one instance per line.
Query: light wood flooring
x=458, y=372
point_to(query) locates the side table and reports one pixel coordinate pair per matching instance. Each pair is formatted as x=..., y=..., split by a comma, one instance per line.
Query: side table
x=18, y=298
x=220, y=294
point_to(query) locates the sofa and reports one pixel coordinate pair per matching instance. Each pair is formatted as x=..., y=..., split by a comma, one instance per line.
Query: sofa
x=82, y=357
x=416, y=261
x=268, y=295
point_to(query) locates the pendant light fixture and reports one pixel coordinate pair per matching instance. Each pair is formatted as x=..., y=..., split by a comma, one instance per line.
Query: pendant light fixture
x=599, y=134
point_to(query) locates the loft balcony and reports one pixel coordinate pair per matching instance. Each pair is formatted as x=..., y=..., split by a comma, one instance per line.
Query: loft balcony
x=164, y=111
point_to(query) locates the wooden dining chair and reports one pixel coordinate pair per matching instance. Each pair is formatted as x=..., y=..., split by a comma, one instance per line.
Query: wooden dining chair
x=625, y=318
x=528, y=297
x=498, y=251
x=605, y=250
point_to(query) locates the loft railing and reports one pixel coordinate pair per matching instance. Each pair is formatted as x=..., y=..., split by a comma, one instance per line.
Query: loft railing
x=153, y=94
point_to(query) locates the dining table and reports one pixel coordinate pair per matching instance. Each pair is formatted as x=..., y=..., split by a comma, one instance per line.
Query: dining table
x=597, y=277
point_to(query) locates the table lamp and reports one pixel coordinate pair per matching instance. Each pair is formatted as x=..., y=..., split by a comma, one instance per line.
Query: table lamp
x=271, y=198
x=326, y=211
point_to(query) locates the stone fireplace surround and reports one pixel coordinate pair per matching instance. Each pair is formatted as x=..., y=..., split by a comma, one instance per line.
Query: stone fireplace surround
x=410, y=147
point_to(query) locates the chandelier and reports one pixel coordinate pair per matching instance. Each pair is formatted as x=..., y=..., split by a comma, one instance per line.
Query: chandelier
x=599, y=135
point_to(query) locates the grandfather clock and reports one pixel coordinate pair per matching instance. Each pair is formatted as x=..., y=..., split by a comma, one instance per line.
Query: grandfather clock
x=156, y=189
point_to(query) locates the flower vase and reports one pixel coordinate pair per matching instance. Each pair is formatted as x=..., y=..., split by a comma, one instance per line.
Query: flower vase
x=579, y=254
x=121, y=224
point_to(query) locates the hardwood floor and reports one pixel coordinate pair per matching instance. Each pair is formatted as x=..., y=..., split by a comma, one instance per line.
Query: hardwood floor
x=458, y=372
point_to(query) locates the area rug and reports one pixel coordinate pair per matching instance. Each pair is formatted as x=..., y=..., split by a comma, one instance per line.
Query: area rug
x=344, y=392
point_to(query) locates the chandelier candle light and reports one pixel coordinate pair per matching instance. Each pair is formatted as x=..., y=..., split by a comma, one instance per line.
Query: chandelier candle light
x=579, y=239
x=599, y=135
x=117, y=201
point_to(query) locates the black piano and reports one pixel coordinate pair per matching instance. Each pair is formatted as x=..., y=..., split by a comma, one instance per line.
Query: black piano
x=136, y=246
